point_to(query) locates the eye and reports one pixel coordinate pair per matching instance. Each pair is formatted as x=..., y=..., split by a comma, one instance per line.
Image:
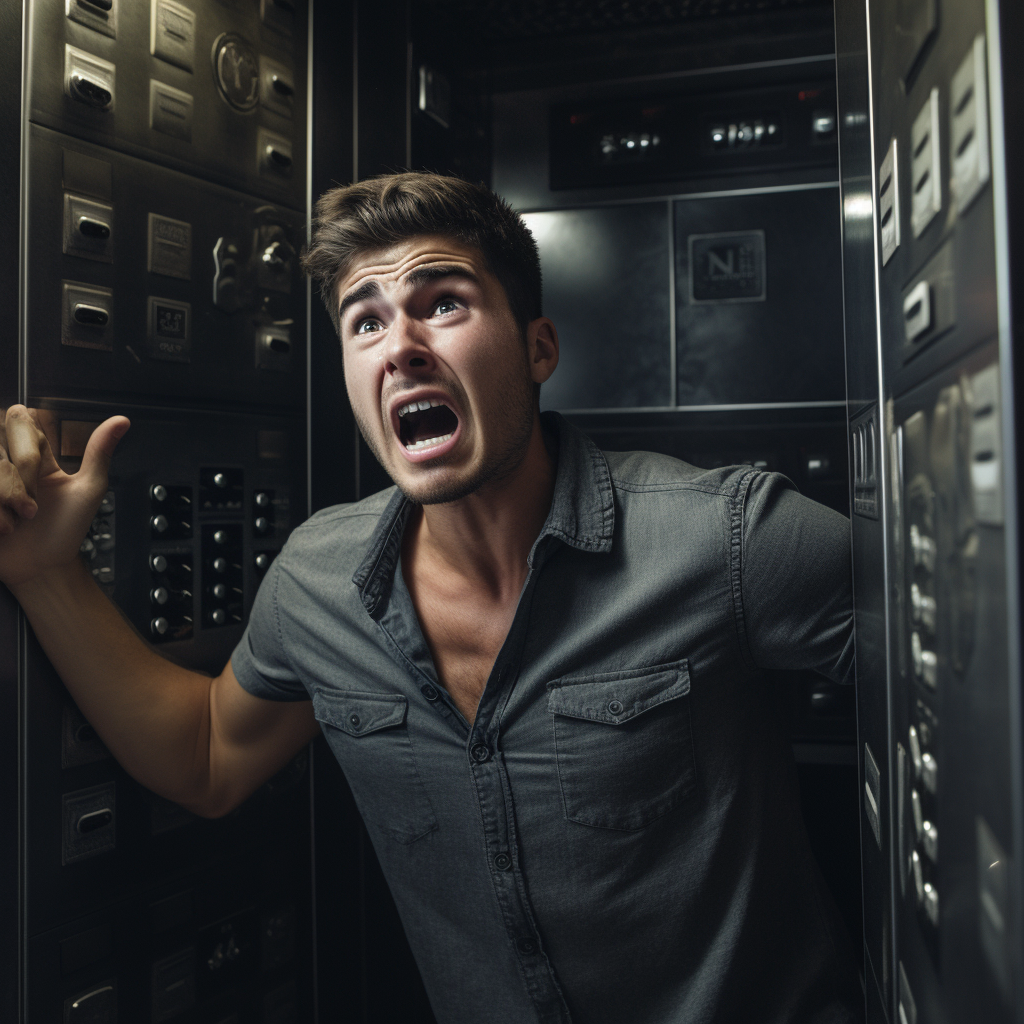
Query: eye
x=368, y=326
x=446, y=305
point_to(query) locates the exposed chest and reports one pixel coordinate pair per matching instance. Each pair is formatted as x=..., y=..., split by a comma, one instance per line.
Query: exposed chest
x=465, y=631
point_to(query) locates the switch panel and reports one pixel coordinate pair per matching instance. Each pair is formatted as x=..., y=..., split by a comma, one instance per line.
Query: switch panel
x=88, y=79
x=88, y=229
x=88, y=823
x=925, y=165
x=274, y=154
x=97, y=549
x=170, y=111
x=87, y=313
x=929, y=302
x=889, y=202
x=277, y=87
x=173, y=34
x=97, y=1005
x=223, y=577
x=99, y=15
x=968, y=130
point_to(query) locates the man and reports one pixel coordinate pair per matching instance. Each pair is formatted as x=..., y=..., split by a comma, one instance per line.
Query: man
x=539, y=666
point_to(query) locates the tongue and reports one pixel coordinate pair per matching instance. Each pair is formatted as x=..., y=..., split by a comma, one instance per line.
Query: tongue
x=434, y=422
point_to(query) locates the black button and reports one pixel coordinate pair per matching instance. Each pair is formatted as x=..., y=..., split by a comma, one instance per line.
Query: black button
x=354, y=719
x=502, y=861
x=430, y=692
x=615, y=707
x=481, y=752
x=527, y=946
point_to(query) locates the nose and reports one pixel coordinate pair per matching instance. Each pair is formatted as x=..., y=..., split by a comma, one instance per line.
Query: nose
x=407, y=350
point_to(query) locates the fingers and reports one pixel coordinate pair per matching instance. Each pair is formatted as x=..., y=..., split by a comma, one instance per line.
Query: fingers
x=100, y=449
x=24, y=441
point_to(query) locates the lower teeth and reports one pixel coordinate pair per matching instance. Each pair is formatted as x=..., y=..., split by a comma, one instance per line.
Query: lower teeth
x=428, y=443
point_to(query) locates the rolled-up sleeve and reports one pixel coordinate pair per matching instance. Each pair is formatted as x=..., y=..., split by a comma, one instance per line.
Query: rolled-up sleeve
x=795, y=580
x=260, y=661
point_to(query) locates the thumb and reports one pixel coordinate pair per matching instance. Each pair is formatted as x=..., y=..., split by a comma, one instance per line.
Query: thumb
x=100, y=448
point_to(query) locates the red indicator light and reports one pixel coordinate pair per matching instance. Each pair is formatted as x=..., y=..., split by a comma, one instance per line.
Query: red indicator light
x=808, y=94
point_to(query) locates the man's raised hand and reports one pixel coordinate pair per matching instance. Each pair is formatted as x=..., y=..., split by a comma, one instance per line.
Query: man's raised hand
x=45, y=512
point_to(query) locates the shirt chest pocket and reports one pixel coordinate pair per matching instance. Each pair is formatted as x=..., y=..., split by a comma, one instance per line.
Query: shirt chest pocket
x=370, y=738
x=623, y=745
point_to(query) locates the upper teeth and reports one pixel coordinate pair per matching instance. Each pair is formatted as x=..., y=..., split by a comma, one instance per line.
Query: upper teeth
x=427, y=403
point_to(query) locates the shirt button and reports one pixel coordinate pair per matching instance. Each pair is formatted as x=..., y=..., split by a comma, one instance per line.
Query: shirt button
x=354, y=719
x=430, y=692
x=527, y=946
x=614, y=707
x=502, y=861
x=481, y=752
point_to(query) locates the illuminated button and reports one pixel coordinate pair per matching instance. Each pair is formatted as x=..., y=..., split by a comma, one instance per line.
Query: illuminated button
x=159, y=626
x=915, y=751
x=915, y=868
x=930, y=841
x=930, y=772
x=159, y=595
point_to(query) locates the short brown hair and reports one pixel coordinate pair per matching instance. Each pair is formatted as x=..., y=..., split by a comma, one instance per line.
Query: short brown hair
x=370, y=215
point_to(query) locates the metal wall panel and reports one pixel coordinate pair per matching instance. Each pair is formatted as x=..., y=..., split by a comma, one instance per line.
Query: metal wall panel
x=941, y=558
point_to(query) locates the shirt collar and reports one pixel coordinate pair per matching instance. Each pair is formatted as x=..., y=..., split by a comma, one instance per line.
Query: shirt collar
x=582, y=512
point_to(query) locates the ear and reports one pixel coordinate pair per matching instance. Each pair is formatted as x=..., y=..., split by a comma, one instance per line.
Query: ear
x=542, y=348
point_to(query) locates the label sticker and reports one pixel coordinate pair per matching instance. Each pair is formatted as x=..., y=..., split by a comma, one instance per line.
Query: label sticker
x=170, y=247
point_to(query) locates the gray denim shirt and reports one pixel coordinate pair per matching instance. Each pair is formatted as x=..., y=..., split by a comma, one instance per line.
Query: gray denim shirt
x=616, y=839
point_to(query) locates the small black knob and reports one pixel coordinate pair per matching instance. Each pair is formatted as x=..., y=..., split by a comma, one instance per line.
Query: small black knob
x=159, y=626
x=220, y=479
x=220, y=536
x=219, y=591
x=262, y=499
x=218, y=616
x=262, y=561
x=262, y=524
x=159, y=595
x=158, y=563
x=158, y=492
x=220, y=565
x=159, y=524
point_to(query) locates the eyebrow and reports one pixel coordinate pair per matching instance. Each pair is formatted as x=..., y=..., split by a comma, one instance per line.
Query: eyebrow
x=421, y=275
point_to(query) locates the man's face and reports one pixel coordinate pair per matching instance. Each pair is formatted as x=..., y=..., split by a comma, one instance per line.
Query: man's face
x=436, y=367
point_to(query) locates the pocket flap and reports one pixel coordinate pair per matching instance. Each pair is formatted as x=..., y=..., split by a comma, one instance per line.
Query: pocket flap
x=359, y=713
x=617, y=697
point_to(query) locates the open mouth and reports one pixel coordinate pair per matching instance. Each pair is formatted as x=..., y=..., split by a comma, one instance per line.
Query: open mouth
x=425, y=424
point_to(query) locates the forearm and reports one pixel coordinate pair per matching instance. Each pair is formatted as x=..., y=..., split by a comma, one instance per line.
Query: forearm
x=154, y=716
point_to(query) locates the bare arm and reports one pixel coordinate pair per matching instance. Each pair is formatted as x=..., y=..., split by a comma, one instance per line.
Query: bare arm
x=204, y=743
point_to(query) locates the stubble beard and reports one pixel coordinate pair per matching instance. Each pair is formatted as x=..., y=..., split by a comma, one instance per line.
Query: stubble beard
x=516, y=409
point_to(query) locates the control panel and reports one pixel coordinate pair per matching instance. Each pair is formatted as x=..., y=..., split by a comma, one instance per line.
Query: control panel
x=213, y=89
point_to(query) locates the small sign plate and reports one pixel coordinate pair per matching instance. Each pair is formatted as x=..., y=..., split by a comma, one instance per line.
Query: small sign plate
x=727, y=267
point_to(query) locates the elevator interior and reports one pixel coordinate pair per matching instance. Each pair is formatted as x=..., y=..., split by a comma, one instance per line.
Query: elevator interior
x=705, y=182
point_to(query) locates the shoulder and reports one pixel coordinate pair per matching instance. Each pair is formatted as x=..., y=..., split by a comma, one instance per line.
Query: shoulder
x=648, y=472
x=339, y=534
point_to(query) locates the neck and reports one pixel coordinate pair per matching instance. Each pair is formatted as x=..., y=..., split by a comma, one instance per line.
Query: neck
x=486, y=537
